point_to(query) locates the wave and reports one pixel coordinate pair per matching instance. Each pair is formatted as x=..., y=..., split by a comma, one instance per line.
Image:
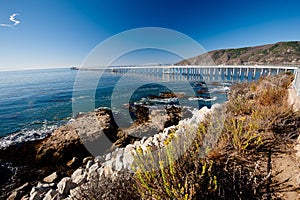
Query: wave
x=146, y=101
x=80, y=97
x=27, y=135
x=202, y=99
x=219, y=89
x=167, y=100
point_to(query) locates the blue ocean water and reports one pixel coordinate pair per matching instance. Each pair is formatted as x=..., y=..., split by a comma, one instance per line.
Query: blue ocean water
x=32, y=99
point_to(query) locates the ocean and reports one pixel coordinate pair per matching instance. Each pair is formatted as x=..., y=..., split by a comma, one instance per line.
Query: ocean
x=34, y=102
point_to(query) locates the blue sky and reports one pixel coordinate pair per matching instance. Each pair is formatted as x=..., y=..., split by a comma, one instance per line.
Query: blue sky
x=61, y=33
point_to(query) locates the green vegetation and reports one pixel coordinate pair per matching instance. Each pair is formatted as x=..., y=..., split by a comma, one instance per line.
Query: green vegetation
x=294, y=45
x=234, y=53
x=160, y=176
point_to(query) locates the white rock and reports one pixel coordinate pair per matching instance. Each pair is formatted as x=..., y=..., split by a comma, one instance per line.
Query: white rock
x=148, y=141
x=89, y=164
x=118, y=162
x=108, y=157
x=99, y=159
x=143, y=140
x=65, y=185
x=86, y=159
x=156, y=143
x=50, y=195
x=107, y=171
x=100, y=172
x=35, y=196
x=94, y=168
x=117, y=152
x=109, y=163
x=79, y=176
x=129, y=148
x=45, y=185
x=127, y=161
x=136, y=143
x=39, y=190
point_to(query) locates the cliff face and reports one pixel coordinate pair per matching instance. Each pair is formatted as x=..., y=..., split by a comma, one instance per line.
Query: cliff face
x=275, y=54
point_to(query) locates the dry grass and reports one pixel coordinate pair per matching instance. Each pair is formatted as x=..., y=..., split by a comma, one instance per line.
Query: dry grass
x=107, y=188
x=238, y=167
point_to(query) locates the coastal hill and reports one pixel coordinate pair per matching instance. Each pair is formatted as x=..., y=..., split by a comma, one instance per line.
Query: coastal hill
x=270, y=54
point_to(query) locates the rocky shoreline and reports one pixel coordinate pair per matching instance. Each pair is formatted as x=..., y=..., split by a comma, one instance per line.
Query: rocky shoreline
x=32, y=169
x=109, y=165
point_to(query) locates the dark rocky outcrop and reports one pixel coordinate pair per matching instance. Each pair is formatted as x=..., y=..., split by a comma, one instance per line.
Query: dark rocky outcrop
x=37, y=159
x=5, y=174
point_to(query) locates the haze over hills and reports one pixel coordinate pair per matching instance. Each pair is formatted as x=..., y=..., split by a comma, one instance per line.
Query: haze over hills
x=280, y=53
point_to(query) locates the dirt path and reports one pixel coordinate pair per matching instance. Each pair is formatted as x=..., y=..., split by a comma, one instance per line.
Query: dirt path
x=286, y=162
x=285, y=174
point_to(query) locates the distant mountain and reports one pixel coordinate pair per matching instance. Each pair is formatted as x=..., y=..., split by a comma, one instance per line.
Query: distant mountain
x=275, y=54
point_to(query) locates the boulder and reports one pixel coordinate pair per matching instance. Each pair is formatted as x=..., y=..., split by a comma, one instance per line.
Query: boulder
x=127, y=161
x=36, y=195
x=107, y=156
x=94, y=168
x=99, y=159
x=65, y=185
x=107, y=171
x=118, y=165
x=50, y=195
x=89, y=164
x=79, y=176
x=129, y=148
x=51, y=178
x=37, y=191
x=86, y=159
x=46, y=186
x=61, y=147
x=71, y=140
x=100, y=172
x=109, y=163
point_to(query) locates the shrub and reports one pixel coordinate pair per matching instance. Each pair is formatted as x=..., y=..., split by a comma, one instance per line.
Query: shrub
x=107, y=188
x=237, y=167
x=159, y=175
